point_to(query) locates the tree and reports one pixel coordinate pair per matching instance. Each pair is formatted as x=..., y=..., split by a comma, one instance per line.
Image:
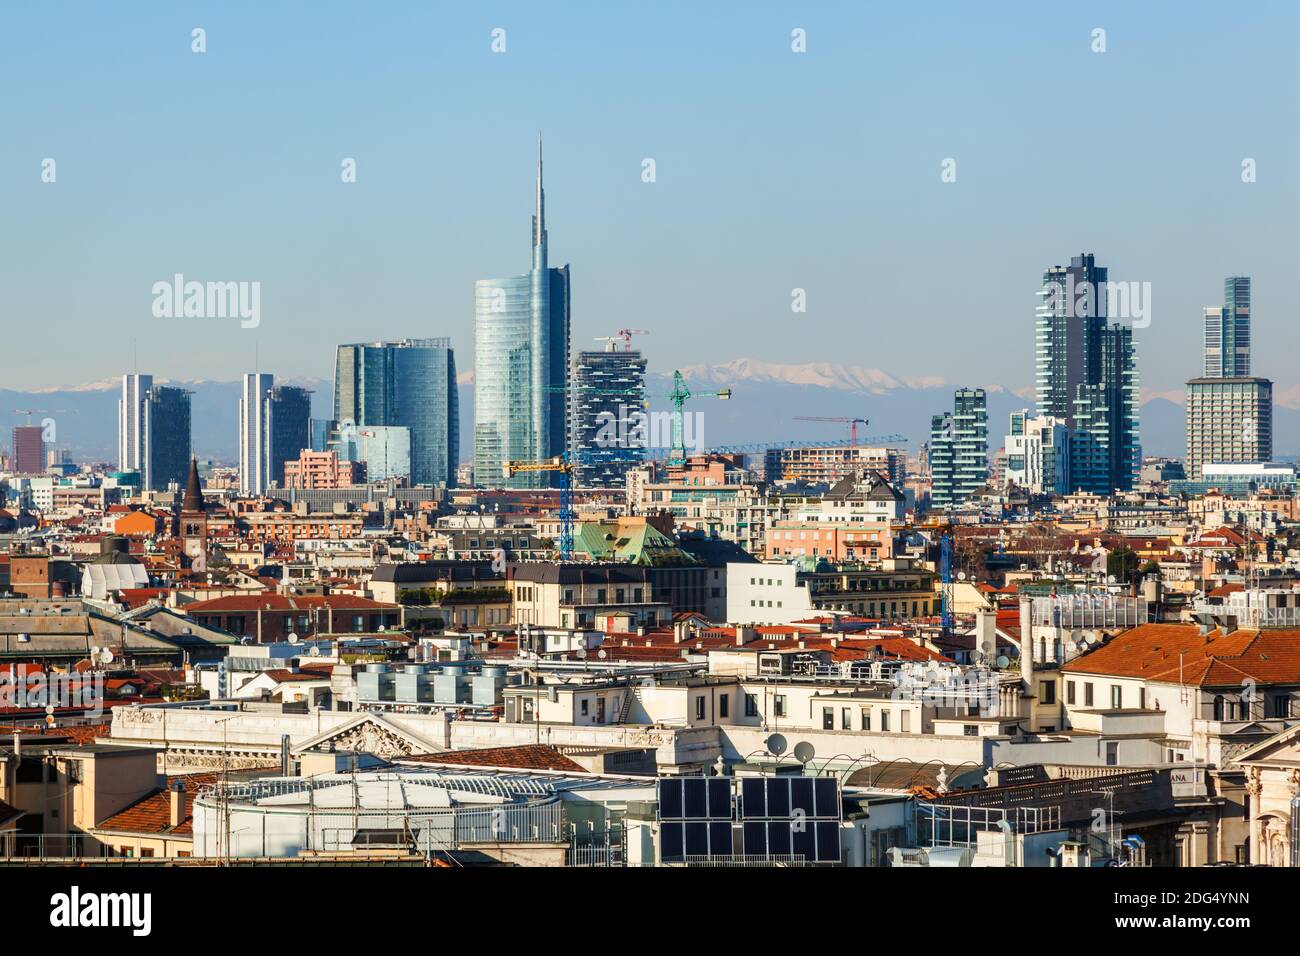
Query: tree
x=1122, y=565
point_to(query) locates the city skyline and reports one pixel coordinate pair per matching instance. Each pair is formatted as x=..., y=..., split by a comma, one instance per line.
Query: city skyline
x=367, y=248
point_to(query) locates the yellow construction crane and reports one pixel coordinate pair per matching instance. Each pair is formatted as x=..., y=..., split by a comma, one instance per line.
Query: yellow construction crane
x=564, y=466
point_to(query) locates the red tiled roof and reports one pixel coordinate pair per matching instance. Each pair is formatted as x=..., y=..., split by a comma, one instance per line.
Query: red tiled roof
x=1180, y=653
x=77, y=733
x=152, y=814
x=283, y=602
x=523, y=757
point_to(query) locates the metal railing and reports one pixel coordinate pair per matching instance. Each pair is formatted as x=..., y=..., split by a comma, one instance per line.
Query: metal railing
x=15, y=846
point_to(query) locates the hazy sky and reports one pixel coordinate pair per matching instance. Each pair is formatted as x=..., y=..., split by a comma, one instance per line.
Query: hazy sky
x=775, y=171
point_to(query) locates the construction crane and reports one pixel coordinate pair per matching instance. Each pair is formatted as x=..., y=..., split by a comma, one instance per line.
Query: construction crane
x=946, y=594
x=564, y=466
x=29, y=412
x=678, y=396
x=626, y=336
x=851, y=422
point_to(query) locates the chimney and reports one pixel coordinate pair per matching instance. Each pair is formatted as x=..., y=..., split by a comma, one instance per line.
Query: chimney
x=177, y=804
x=986, y=634
x=18, y=744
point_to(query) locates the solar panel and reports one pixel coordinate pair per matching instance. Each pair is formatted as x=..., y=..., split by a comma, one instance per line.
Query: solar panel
x=694, y=817
x=784, y=816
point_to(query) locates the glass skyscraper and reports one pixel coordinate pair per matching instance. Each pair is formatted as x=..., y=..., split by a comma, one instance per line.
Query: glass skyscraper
x=1086, y=375
x=289, y=431
x=153, y=432
x=1227, y=332
x=411, y=383
x=166, y=429
x=521, y=356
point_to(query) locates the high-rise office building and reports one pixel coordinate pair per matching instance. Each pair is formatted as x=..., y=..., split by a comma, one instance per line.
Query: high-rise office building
x=153, y=432
x=130, y=422
x=410, y=384
x=274, y=426
x=1229, y=421
x=1229, y=412
x=165, y=427
x=1227, y=332
x=959, y=449
x=521, y=364
x=1086, y=375
x=290, y=428
x=29, y=450
x=254, y=432
x=606, y=415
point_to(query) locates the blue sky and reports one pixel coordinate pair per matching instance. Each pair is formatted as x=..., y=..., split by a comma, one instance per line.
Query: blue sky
x=774, y=171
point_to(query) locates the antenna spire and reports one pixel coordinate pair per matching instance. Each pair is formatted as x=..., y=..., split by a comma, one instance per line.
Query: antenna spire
x=539, y=215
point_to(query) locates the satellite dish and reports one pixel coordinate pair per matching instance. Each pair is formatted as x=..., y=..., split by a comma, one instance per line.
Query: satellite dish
x=1111, y=579
x=315, y=651
x=961, y=575
x=105, y=656
x=804, y=751
x=601, y=654
x=776, y=744
x=293, y=638
x=1003, y=660
x=582, y=653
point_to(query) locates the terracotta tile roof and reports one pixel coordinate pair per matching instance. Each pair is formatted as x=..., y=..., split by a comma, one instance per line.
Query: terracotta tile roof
x=152, y=814
x=1154, y=652
x=77, y=733
x=283, y=602
x=522, y=757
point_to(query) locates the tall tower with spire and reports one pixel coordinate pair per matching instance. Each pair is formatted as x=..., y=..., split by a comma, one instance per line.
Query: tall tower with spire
x=521, y=360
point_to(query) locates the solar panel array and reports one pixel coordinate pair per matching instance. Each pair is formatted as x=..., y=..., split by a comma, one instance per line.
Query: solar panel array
x=791, y=816
x=694, y=818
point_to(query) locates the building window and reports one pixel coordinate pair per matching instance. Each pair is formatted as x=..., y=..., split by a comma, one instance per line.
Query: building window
x=828, y=718
x=1087, y=695
x=846, y=719
x=778, y=705
x=866, y=718
x=583, y=708
x=724, y=705
x=1069, y=692
x=970, y=730
x=1048, y=687
x=699, y=707
x=1116, y=696
x=751, y=705
x=884, y=721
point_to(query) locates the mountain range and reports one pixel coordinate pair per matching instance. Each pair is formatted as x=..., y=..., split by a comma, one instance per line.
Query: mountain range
x=766, y=397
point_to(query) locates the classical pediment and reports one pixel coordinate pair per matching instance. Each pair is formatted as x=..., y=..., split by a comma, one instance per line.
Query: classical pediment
x=1280, y=748
x=371, y=734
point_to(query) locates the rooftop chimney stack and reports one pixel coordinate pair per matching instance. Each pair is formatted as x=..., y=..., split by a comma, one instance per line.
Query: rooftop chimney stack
x=176, y=807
